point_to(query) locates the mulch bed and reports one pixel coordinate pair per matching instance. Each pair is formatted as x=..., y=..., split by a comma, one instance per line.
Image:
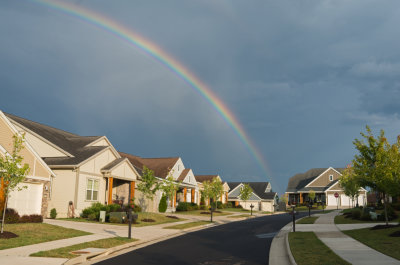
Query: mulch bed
x=148, y=220
x=378, y=227
x=8, y=235
x=172, y=217
x=395, y=234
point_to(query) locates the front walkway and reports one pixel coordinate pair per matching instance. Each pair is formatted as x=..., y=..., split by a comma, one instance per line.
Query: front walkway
x=344, y=246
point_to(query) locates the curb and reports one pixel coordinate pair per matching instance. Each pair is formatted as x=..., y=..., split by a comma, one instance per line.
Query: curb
x=291, y=258
x=94, y=256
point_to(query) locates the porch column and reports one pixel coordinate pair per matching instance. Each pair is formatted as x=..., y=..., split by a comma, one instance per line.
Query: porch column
x=192, y=193
x=110, y=187
x=2, y=196
x=226, y=197
x=221, y=196
x=184, y=194
x=132, y=192
x=175, y=200
x=301, y=197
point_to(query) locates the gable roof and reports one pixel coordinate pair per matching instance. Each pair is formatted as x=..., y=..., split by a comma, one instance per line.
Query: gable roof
x=161, y=166
x=259, y=189
x=299, y=181
x=202, y=178
x=73, y=145
x=183, y=175
x=113, y=163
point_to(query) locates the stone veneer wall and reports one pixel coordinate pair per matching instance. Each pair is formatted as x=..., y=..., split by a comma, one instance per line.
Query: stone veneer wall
x=45, y=196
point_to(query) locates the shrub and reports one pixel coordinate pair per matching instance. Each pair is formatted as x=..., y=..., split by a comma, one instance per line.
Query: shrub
x=137, y=208
x=162, y=207
x=115, y=220
x=33, y=218
x=203, y=207
x=112, y=208
x=53, y=213
x=12, y=216
x=239, y=206
x=228, y=205
x=396, y=206
x=356, y=213
x=92, y=217
x=390, y=213
x=182, y=206
x=193, y=206
x=365, y=216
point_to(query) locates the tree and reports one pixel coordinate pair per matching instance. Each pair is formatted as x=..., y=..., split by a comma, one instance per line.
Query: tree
x=149, y=184
x=349, y=183
x=245, y=193
x=212, y=190
x=378, y=165
x=162, y=207
x=12, y=172
x=311, y=196
x=170, y=186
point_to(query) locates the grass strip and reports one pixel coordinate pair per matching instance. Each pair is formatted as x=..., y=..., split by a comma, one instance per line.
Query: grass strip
x=239, y=216
x=307, y=220
x=378, y=240
x=34, y=233
x=307, y=249
x=65, y=251
x=188, y=225
x=202, y=213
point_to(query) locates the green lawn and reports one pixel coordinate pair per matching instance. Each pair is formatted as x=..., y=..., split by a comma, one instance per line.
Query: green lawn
x=188, y=225
x=36, y=233
x=240, y=210
x=199, y=213
x=379, y=240
x=159, y=219
x=240, y=216
x=307, y=220
x=305, y=208
x=307, y=249
x=65, y=252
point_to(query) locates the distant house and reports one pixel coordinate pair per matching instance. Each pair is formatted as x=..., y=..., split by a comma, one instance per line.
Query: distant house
x=202, y=178
x=163, y=167
x=325, y=183
x=262, y=197
x=87, y=169
x=35, y=197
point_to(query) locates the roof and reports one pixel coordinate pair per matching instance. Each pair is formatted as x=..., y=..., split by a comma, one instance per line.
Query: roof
x=112, y=164
x=183, y=174
x=299, y=181
x=202, y=178
x=71, y=143
x=259, y=188
x=161, y=166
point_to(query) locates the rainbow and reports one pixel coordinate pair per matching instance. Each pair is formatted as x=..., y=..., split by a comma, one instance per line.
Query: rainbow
x=151, y=49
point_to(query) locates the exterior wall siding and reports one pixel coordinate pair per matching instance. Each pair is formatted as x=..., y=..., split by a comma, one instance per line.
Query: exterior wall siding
x=323, y=180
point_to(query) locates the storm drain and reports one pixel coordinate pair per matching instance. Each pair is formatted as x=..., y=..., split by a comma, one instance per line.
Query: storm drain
x=268, y=235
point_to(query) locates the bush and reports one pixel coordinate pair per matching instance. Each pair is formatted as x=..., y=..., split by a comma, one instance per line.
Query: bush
x=396, y=206
x=162, y=207
x=228, y=205
x=53, y=213
x=182, y=206
x=33, y=218
x=137, y=209
x=203, y=207
x=390, y=213
x=12, y=216
x=365, y=216
x=92, y=217
x=356, y=214
x=239, y=206
x=115, y=220
x=112, y=208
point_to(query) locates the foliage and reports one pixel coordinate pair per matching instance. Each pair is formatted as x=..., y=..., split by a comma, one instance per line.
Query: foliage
x=115, y=220
x=33, y=218
x=229, y=205
x=311, y=195
x=378, y=165
x=212, y=189
x=202, y=201
x=96, y=207
x=149, y=184
x=350, y=184
x=245, y=192
x=162, y=207
x=186, y=206
x=12, y=171
x=12, y=216
x=170, y=186
x=284, y=199
x=53, y=213
x=356, y=213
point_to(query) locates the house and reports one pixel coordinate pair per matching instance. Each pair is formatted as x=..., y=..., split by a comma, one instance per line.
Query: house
x=163, y=167
x=87, y=169
x=34, y=198
x=262, y=197
x=202, y=178
x=324, y=182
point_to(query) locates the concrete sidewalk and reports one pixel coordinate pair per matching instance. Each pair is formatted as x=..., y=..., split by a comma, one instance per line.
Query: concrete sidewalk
x=344, y=246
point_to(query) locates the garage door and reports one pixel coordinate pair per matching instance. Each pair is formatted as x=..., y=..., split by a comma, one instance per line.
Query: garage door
x=27, y=201
x=361, y=201
x=345, y=200
x=332, y=201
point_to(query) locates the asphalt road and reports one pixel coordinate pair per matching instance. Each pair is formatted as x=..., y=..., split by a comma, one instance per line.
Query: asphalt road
x=239, y=243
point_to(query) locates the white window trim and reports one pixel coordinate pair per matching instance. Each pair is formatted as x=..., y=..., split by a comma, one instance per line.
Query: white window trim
x=94, y=180
x=330, y=177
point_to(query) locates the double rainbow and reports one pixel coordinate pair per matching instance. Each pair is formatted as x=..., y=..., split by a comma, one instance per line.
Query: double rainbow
x=165, y=59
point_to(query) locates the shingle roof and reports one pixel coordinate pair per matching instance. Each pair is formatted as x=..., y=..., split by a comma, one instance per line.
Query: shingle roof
x=69, y=142
x=112, y=164
x=202, y=178
x=161, y=166
x=183, y=175
x=259, y=188
x=299, y=181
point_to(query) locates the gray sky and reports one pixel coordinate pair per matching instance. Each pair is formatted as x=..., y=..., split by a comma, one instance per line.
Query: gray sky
x=302, y=77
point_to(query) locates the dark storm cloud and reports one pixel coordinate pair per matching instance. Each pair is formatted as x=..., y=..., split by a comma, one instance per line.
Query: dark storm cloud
x=303, y=77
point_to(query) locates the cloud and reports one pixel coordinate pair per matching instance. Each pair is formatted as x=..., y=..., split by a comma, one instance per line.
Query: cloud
x=376, y=69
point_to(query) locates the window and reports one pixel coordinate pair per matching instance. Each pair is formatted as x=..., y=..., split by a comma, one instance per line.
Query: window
x=330, y=177
x=92, y=189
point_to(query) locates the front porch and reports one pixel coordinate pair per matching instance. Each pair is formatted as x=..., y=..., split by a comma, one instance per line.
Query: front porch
x=303, y=197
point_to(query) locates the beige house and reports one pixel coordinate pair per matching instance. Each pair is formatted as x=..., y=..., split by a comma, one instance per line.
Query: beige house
x=262, y=197
x=34, y=198
x=87, y=169
x=163, y=167
x=324, y=182
x=202, y=178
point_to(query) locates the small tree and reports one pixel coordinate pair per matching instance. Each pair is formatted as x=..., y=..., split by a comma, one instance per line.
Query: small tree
x=170, y=186
x=245, y=193
x=12, y=172
x=311, y=196
x=162, y=207
x=212, y=190
x=149, y=184
x=349, y=183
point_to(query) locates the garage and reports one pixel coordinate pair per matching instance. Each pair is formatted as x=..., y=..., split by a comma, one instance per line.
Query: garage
x=332, y=201
x=28, y=200
x=345, y=200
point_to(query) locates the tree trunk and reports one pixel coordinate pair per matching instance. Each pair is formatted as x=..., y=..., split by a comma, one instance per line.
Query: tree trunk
x=4, y=213
x=385, y=203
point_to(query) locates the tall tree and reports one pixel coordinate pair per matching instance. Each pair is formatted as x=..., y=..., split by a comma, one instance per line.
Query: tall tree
x=12, y=172
x=149, y=184
x=378, y=165
x=351, y=186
